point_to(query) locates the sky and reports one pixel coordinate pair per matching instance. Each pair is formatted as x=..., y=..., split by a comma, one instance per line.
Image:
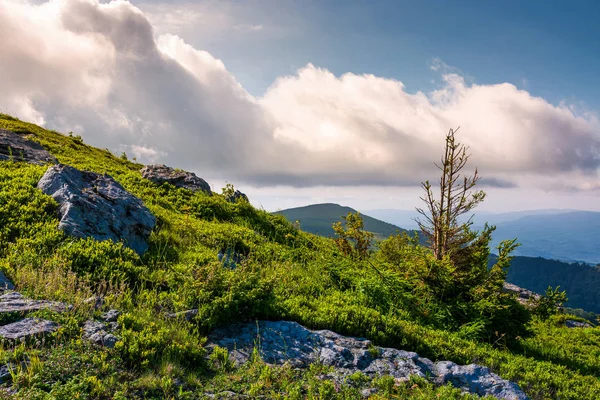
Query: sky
x=298, y=102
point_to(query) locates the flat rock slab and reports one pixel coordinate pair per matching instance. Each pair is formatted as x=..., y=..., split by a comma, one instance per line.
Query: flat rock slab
x=160, y=174
x=16, y=148
x=289, y=342
x=96, y=206
x=524, y=296
x=15, y=302
x=27, y=328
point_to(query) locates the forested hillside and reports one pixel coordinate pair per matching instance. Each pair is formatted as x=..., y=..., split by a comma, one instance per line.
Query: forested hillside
x=580, y=281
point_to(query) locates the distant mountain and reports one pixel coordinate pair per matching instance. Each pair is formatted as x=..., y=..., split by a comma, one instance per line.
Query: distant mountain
x=581, y=281
x=318, y=218
x=406, y=218
x=571, y=236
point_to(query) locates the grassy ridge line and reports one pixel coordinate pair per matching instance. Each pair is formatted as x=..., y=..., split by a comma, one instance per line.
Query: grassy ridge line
x=288, y=275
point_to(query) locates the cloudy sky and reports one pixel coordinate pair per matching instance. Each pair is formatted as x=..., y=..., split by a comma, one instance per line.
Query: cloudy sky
x=304, y=101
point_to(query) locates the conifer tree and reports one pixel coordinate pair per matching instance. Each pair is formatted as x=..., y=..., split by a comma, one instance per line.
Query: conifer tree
x=441, y=225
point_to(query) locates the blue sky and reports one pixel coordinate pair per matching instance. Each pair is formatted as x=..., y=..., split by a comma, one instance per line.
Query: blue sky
x=304, y=101
x=550, y=48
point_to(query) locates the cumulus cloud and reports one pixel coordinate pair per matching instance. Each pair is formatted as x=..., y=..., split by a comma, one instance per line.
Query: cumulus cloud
x=101, y=70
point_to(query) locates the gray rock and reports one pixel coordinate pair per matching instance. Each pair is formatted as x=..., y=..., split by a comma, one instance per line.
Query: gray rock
x=96, y=206
x=237, y=195
x=187, y=314
x=5, y=375
x=15, y=302
x=95, y=301
x=524, y=296
x=111, y=315
x=366, y=393
x=476, y=379
x=570, y=323
x=5, y=283
x=15, y=147
x=100, y=333
x=160, y=174
x=27, y=328
x=289, y=342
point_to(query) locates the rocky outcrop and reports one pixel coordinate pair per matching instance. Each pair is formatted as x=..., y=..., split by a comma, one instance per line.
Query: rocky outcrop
x=237, y=196
x=15, y=302
x=289, y=342
x=524, y=296
x=160, y=174
x=27, y=328
x=96, y=206
x=16, y=148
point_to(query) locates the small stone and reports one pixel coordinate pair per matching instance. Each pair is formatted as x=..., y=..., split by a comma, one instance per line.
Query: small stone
x=576, y=324
x=109, y=340
x=366, y=393
x=111, y=315
x=27, y=328
x=91, y=327
x=237, y=196
x=5, y=375
x=187, y=314
x=5, y=283
x=98, y=333
x=96, y=301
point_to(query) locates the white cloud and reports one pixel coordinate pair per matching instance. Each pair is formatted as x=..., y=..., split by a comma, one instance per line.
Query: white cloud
x=103, y=71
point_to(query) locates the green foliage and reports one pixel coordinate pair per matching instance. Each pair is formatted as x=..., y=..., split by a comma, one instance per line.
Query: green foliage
x=147, y=340
x=550, y=303
x=352, y=240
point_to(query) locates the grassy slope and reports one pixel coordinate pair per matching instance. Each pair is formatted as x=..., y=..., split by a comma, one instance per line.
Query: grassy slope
x=318, y=218
x=288, y=274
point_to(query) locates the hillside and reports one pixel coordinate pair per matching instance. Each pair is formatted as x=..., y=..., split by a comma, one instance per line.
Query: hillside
x=581, y=281
x=149, y=316
x=318, y=219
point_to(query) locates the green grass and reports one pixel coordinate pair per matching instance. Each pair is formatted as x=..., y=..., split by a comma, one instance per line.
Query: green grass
x=285, y=274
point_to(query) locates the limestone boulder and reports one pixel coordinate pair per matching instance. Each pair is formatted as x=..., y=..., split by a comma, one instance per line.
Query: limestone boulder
x=15, y=147
x=95, y=205
x=160, y=174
